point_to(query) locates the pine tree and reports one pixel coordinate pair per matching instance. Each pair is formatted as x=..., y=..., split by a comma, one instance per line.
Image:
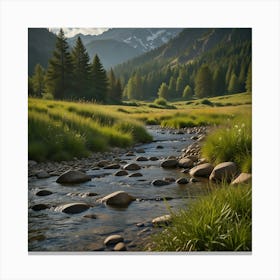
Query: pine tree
x=81, y=70
x=163, y=91
x=218, y=82
x=99, y=81
x=233, y=86
x=114, y=89
x=203, y=82
x=179, y=86
x=38, y=80
x=242, y=77
x=249, y=79
x=172, y=87
x=134, y=87
x=59, y=73
x=187, y=93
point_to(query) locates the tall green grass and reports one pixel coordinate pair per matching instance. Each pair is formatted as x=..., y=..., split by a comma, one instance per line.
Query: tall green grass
x=61, y=130
x=231, y=143
x=220, y=221
x=194, y=119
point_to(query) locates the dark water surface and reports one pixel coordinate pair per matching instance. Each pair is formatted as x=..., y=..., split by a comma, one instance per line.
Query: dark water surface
x=50, y=230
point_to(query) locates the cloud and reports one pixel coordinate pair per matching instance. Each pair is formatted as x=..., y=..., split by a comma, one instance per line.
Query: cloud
x=70, y=31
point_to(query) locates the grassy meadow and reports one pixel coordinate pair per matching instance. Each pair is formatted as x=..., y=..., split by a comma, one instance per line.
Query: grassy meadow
x=60, y=130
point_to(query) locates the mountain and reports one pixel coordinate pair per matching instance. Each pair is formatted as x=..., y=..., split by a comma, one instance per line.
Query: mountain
x=141, y=39
x=111, y=52
x=228, y=49
x=41, y=44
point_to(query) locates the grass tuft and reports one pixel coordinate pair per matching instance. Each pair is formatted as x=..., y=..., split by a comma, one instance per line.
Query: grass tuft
x=220, y=221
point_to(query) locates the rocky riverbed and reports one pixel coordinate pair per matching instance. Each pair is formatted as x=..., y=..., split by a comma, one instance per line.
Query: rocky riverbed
x=113, y=201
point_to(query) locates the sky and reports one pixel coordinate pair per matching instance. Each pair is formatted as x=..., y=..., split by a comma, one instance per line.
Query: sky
x=70, y=32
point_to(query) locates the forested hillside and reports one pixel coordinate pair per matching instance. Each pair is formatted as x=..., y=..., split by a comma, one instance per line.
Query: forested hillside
x=221, y=56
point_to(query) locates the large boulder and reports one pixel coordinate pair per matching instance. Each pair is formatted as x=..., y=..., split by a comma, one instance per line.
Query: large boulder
x=141, y=159
x=202, y=170
x=185, y=162
x=73, y=208
x=169, y=163
x=131, y=167
x=73, y=177
x=243, y=178
x=118, y=199
x=224, y=171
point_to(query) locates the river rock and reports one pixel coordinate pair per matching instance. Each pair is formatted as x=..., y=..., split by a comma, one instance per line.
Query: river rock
x=169, y=163
x=39, y=207
x=42, y=174
x=185, y=162
x=135, y=175
x=243, y=178
x=194, y=180
x=182, y=181
x=43, y=193
x=119, y=199
x=162, y=220
x=159, y=183
x=73, y=208
x=103, y=163
x=169, y=179
x=223, y=171
x=131, y=166
x=130, y=154
x=202, y=170
x=113, y=239
x=112, y=166
x=159, y=147
x=153, y=158
x=141, y=159
x=140, y=151
x=32, y=163
x=73, y=177
x=121, y=173
x=90, y=216
x=120, y=247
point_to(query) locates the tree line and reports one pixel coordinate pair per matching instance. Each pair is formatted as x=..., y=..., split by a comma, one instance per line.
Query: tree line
x=225, y=69
x=71, y=76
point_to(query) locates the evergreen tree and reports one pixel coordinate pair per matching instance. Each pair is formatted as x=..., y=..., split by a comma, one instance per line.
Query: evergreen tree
x=179, y=86
x=242, y=77
x=114, y=89
x=163, y=91
x=99, y=81
x=203, y=82
x=134, y=87
x=38, y=80
x=187, y=93
x=218, y=82
x=81, y=70
x=233, y=86
x=249, y=79
x=172, y=87
x=59, y=73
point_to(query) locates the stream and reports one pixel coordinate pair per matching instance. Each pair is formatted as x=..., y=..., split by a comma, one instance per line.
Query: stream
x=52, y=231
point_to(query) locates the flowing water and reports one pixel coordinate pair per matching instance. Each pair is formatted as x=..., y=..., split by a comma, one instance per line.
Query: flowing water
x=50, y=230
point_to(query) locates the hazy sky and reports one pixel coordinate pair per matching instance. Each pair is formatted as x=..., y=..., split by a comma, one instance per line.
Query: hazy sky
x=70, y=32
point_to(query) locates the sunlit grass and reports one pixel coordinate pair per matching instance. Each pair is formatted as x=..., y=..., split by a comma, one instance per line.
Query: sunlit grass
x=220, y=221
x=232, y=142
x=92, y=128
